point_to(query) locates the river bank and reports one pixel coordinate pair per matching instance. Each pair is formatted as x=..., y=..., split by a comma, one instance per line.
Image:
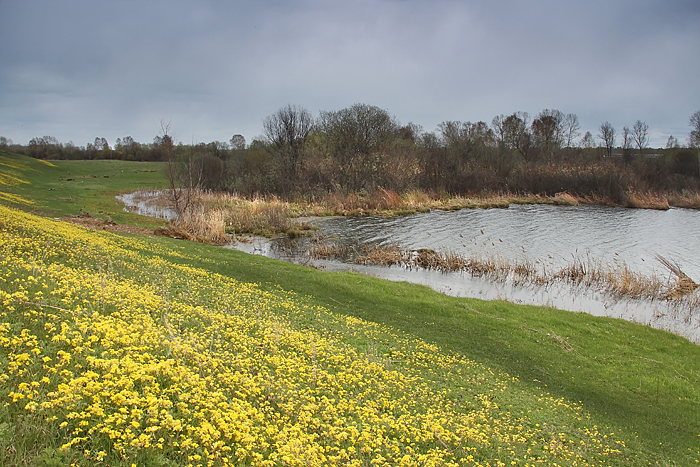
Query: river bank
x=524, y=256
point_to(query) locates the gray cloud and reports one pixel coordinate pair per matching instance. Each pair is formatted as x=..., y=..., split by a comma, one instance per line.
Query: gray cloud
x=80, y=69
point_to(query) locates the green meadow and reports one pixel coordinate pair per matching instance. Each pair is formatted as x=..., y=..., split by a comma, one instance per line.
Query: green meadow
x=71, y=188
x=122, y=349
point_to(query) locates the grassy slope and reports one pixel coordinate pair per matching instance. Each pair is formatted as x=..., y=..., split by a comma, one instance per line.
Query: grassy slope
x=629, y=377
x=612, y=366
x=67, y=188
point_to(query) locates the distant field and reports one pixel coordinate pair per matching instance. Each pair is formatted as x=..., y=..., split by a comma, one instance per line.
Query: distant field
x=67, y=188
x=121, y=349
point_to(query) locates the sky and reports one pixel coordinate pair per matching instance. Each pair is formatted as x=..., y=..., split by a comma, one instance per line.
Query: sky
x=77, y=70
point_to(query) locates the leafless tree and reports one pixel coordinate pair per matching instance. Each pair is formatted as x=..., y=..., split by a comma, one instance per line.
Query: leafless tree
x=511, y=131
x=587, y=141
x=410, y=132
x=237, y=142
x=548, y=131
x=287, y=131
x=101, y=144
x=607, y=134
x=497, y=127
x=672, y=143
x=626, y=144
x=640, y=135
x=357, y=138
x=694, y=122
x=184, y=176
x=694, y=138
x=508, y=129
x=571, y=128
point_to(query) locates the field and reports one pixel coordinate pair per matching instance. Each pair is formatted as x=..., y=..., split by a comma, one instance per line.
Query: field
x=121, y=349
x=71, y=188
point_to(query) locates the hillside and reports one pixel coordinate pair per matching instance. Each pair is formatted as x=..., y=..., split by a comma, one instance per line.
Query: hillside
x=120, y=349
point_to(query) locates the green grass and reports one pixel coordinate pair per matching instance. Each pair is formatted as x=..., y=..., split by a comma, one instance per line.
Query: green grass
x=641, y=383
x=70, y=188
x=630, y=377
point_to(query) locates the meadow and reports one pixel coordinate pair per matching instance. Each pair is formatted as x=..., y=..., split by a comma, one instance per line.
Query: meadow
x=122, y=349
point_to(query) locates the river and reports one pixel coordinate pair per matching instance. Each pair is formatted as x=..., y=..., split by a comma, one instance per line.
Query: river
x=549, y=237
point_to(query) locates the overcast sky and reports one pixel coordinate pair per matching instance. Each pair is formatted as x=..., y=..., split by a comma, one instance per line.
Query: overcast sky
x=80, y=69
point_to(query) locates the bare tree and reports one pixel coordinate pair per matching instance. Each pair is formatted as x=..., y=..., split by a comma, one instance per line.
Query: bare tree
x=287, y=131
x=587, y=141
x=357, y=139
x=571, y=128
x=508, y=130
x=497, y=127
x=165, y=141
x=101, y=144
x=694, y=138
x=184, y=176
x=640, y=136
x=672, y=143
x=511, y=131
x=237, y=142
x=626, y=144
x=607, y=134
x=548, y=131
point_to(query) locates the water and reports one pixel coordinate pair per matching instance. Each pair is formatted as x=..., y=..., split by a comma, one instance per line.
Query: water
x=548, y=236
x=142, y=202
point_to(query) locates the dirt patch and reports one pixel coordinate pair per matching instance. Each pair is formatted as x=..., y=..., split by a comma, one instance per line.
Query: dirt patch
x=109, y=225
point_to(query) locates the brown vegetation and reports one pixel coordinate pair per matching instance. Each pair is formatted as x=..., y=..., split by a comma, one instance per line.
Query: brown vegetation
x=269, y=216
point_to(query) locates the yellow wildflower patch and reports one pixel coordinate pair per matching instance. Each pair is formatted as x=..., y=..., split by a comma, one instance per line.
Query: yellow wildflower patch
x=9, y=178
x=17, y=199
x=125, y=354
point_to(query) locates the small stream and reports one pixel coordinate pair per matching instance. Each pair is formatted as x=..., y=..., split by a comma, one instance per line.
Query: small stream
x=549, y=237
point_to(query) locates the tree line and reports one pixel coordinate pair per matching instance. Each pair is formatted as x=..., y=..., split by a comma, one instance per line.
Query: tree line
x=364, y=147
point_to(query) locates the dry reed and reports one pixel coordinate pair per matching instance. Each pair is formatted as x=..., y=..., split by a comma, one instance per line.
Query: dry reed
x=685, y=200
x=202, y=224
x=646, y=200
x=565, y=199
x=617, y=281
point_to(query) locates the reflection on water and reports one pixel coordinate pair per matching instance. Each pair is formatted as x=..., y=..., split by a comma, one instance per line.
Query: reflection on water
x=142, y=202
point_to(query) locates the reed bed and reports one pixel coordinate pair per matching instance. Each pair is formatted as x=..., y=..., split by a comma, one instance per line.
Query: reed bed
x=383, y=202
x=382, y=256
x=685, y=199
x=647, y=200
x=203, y=224
x=219, y=217
x=617, y=281
x=259, y=215
x=269, y=215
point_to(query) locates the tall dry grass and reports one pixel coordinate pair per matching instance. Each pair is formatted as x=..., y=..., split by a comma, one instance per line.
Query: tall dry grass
x=685, y=199
x=259, y=218
x=269, y=216
x=203, y=224
x=646, y=200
